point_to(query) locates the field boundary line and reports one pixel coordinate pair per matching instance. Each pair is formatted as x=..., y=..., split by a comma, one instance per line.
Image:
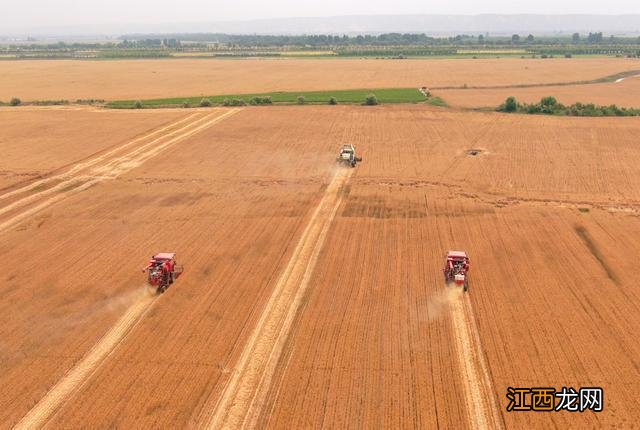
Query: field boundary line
x=478, y=390
x=243, y=397
x=75, y=378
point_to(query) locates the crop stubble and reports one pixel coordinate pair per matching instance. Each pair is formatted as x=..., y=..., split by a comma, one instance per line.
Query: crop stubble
x=372, y=344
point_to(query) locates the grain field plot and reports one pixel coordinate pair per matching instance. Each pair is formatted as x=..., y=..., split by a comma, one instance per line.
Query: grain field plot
x=623, y=94
x=161, y=78
x=30, y=199
x=369, y=342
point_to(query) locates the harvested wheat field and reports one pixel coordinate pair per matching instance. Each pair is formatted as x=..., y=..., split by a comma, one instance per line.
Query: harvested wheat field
x=624, y=93
x=161, y=78
x=313, y=294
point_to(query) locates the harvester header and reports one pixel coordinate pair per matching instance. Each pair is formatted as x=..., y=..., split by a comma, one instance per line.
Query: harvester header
x=456, y=268
x=348, y=155
x=162, y=270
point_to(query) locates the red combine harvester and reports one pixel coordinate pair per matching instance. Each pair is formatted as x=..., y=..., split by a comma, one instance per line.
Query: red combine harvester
x=162, y=270
x=456, y=268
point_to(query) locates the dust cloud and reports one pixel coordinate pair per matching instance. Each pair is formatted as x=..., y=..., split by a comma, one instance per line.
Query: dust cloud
x=439, y=303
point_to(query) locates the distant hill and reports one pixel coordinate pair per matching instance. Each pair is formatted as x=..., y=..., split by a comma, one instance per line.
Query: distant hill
x=433, y=25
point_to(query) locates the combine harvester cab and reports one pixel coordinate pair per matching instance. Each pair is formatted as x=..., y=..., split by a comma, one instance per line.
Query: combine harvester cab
x=456, y=269
x=348, y=156
x=162, y=271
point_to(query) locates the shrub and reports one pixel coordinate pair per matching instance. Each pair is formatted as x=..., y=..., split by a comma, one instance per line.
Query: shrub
x=205, y=103
x=15, y=101
x=261, y=100
x=567, y=55
x=51, y=102
x=549, y=105
x=371, y=100
x=89, y=101
x=301, y=100
x=548, y=101
x=333, y=101
x=234, y=102
x=186, y=104
x=137, y=104
x=510, y=105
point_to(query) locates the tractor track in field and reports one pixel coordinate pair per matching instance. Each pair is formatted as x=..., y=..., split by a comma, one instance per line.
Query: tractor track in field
x=245, y=394
x=102, y=168
x=482, y=408
x=27, y=200
x=69, y=168
x=46, y=408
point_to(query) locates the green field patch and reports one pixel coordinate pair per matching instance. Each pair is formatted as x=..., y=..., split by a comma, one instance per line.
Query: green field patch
x=384, y=95
x=436, y=101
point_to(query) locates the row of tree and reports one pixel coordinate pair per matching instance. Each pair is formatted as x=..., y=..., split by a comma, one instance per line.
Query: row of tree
x=228, y=41
x=386, y=39
x=551, y=106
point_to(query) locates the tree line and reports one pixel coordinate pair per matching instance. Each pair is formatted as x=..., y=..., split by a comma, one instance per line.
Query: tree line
x=385, y=39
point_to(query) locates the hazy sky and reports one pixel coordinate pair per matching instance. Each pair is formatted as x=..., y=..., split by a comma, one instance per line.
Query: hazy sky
x=36, y=13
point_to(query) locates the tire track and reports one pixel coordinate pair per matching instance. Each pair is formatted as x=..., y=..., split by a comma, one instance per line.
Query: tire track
x=88, y=163
x=244, y=395
x=481, y=404
x=44, y=410
x=73, y=173
x=77, y=376
x=111, y=169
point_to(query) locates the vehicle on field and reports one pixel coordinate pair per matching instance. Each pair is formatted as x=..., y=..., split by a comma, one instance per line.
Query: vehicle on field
x=162, y=271
x=456, y=268
x=348, y=156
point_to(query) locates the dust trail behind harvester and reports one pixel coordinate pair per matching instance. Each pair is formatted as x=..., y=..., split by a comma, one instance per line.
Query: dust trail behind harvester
x=141, y=302
x=479, y=395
